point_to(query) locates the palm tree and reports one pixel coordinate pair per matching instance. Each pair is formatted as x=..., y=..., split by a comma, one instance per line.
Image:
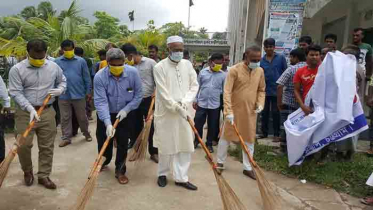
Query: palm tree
x=45, y=9
x=29, y=12
x=15, y=32
x=203, y=30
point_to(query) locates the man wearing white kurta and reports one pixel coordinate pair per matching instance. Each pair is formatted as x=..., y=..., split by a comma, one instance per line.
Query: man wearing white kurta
x=177, y=86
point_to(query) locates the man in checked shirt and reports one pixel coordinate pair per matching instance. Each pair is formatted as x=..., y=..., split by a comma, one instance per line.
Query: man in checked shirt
x=286, y=101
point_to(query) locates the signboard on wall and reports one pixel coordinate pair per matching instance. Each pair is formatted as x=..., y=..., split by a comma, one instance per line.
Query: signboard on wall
x=285, y=21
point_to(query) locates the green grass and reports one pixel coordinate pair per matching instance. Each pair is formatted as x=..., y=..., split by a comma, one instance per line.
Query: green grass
x=347, y=177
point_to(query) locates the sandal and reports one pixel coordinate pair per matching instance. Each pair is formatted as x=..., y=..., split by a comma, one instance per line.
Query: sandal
x=370, y=152
x=367, y=201
x=122, y=179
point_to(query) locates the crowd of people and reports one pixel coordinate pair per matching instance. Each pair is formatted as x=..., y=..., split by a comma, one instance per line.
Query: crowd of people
x=123, y=83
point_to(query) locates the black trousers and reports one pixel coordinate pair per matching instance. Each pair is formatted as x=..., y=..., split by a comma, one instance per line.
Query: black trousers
x=213, y=117
x=140, y=114
x=3, y=120
x=2, y=144
x=270, y=107
x=121, y=134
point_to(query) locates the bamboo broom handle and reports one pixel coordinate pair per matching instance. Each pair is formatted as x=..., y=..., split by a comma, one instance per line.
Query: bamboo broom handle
x=221, y=129
x=102, y=151
x=209, y=156
x=31, y=125
x=150, y=112
x=244, y=146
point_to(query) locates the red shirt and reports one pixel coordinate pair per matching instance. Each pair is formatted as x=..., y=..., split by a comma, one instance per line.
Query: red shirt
x=306, y=77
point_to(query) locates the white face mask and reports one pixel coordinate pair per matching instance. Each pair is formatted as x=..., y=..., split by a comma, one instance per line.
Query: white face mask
x=176, y=56
x=254, y=65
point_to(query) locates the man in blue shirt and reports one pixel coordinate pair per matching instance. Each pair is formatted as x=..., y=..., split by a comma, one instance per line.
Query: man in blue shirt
x=274, y=65
x=118, y=91
x=211, y=84
x=79, y=88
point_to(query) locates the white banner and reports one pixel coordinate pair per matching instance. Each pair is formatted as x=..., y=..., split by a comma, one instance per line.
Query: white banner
x=370, y=180
x=335, y=118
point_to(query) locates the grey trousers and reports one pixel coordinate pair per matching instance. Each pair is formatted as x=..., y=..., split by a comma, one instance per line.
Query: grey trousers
x=66, y=117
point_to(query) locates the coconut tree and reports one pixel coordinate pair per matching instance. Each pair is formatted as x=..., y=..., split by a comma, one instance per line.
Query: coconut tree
x=29, y=12
x=45, y=9
x=15, y=32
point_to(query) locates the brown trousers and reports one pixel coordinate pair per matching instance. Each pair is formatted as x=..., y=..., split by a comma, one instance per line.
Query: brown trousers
x=45, y=131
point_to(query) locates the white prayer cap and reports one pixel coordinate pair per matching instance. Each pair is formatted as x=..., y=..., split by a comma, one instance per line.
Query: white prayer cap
x=174, y=39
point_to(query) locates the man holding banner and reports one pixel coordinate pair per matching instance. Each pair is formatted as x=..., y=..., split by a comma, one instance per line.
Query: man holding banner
x=336, y=115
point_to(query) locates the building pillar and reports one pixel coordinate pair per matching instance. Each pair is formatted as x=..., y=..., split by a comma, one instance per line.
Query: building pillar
x=191, y=56
x=351, y=21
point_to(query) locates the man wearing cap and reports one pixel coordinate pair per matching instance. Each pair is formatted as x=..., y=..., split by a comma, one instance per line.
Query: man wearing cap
x=177, y=88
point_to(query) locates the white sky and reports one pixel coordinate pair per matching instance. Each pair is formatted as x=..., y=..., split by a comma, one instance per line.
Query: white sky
x=211, y=14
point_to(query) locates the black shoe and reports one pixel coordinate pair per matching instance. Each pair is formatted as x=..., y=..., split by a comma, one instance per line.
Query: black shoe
x=187, y=185
x=196, y=144
x=162, y=181
x=250, y=174
x=211, y=150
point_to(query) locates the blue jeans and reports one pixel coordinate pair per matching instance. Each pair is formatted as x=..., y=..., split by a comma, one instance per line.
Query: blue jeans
x=270, y=108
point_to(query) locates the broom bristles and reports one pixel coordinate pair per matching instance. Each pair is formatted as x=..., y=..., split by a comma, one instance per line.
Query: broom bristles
x=270, y=196
x=4, y=166
x=87, y=190
x=228, y=196
x=138, y=154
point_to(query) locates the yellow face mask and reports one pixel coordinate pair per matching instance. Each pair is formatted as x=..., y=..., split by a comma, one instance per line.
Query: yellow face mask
x=130, y=62
x=36, y=62
x=116, y=70
x=217, y=67
x=69, y=54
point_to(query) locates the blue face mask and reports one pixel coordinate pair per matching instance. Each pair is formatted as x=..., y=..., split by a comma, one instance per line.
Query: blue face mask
x=254, y=65
x=176, y=56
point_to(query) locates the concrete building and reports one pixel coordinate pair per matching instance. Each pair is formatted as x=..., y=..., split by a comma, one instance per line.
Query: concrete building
x=247, y=19
x=339, y=17
x=245, y=26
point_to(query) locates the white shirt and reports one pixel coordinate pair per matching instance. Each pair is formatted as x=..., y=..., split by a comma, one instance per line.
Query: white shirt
x=176, y=82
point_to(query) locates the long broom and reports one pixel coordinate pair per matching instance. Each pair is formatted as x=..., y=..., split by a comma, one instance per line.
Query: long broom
x=21, y=139
x=270, y=197
x=139, y=151
x=102, y=151
x=228, y=196
x=88, y=188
